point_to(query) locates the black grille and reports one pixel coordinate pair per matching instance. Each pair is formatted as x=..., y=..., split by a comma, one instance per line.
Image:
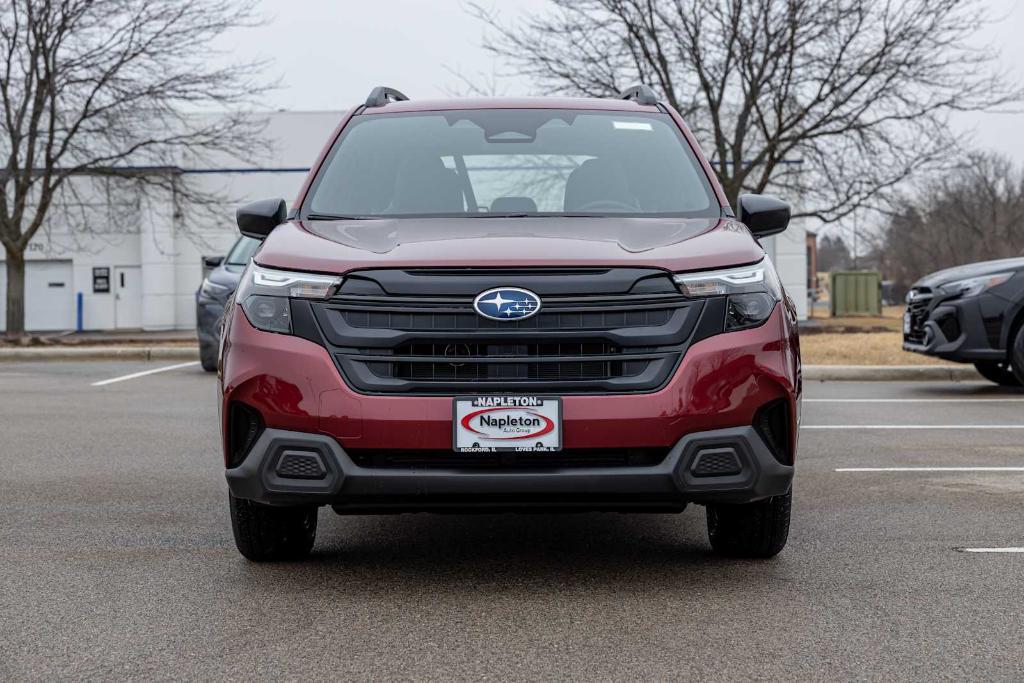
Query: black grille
x=584, y=340
x=918, y=308
x=475, y=361
x=295, y=465
x=447, y=320
x=718, y=462
x=595, y=457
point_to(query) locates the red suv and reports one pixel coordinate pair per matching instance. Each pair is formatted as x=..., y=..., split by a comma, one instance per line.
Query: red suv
x=510, y=304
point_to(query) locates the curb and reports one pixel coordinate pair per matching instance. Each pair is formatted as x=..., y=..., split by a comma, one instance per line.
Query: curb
x=73, y=353
x=891, y=373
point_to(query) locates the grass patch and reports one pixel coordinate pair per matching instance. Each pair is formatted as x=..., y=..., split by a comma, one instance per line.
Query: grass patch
x=860, y=348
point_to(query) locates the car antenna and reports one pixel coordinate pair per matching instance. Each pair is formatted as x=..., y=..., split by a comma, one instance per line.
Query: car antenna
x=641, y=94
x=381, y=95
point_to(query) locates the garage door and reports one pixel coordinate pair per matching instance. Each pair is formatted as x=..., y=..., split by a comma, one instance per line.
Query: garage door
x=49, y=296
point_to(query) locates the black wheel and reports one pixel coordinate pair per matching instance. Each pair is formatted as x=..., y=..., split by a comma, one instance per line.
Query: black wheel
x=265, y=533
x=750, y=530
x=999, y=372
x=1017, y=355
x=208, y=357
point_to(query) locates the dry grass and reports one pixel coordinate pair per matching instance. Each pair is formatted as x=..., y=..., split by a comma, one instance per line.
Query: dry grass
x=859, y=348
x=891, y=319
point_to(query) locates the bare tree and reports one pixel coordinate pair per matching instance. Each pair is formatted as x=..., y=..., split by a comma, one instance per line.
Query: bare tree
x=833, y=254
x=101, y=89
x=857, y=91
x=975, y=213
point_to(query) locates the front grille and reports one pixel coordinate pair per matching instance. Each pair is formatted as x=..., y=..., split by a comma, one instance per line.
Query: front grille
x=430, y=321
x=423, y=459
x=476, y=361
x=396, y=332
x=918, y=308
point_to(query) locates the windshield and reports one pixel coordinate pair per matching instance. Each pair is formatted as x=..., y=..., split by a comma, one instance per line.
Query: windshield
x=243, y=250
x=511, y=162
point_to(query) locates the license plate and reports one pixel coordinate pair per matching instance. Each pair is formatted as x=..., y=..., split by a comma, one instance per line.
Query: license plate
x=507, y=423
x=906, y=323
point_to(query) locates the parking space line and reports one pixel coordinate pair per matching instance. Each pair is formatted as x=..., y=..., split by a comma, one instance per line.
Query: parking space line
x=136, y=375
x=914, y=400
x=1016, y=426
x=930, y=469
x=991, y=550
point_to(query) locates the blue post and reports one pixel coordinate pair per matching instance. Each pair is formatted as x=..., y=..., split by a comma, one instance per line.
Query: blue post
x=79, y=300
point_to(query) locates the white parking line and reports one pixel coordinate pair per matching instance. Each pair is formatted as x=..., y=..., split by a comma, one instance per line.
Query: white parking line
x=1016, y=426
x=929, y=469
x=991, y=550
x=136, y=375
x=914, y=400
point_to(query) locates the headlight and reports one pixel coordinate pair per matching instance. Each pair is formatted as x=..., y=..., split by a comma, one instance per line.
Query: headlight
x=974, y=286
x=752, y=291
x=211, y=290
x=264, y=293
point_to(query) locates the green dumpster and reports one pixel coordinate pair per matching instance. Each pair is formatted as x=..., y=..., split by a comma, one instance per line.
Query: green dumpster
x=855, y=292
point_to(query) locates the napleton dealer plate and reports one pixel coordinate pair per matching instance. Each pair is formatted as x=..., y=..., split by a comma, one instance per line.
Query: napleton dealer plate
x=507, y=423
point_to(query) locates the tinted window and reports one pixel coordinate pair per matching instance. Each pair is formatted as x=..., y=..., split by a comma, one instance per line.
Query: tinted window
x=243, y=250
x=512, y=161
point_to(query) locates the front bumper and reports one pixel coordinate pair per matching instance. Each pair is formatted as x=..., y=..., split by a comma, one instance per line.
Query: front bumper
x=327, y=475
x=958, y=330
x=715, y=395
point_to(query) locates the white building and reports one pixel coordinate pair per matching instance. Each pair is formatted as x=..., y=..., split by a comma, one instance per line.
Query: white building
x=139, y=263
x=151, y=256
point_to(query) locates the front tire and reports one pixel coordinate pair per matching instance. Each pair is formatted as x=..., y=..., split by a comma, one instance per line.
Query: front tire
x=1017, y=355
x=267, y=533
x=757, y=530
x=1002, y=373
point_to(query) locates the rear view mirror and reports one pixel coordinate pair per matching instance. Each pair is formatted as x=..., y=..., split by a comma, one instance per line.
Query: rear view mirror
x=763, y=215
x=257, y=219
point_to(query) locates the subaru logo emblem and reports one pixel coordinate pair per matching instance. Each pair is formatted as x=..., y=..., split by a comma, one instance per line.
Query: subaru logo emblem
x=507, y=303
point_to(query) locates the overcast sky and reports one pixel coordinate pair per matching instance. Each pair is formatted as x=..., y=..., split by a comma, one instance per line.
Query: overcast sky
x=330, y=53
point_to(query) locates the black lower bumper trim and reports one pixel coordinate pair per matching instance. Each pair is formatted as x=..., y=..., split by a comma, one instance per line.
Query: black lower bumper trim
x=677, y=480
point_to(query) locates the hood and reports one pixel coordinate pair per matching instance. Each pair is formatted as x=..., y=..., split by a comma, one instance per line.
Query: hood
x=670, y=243
x=948, y=275
x=227, y=275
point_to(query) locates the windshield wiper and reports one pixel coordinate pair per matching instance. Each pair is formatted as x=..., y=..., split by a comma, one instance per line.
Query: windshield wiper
x=333, y=217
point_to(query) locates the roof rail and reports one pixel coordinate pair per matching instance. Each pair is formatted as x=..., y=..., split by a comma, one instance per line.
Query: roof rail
x=381, y=95
x=642, y=94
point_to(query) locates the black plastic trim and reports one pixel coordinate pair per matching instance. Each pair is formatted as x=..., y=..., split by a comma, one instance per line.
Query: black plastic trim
x=669, y=484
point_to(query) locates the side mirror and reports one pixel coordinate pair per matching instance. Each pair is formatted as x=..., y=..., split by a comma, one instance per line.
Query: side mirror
x=763, y=215
x=211, y=262
x=256, y=220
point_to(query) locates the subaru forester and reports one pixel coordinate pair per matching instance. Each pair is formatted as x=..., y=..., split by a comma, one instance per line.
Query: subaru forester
x=510, y=305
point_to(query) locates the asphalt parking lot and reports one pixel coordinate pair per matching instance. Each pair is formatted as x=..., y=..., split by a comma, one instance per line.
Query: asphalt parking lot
x=118, y=560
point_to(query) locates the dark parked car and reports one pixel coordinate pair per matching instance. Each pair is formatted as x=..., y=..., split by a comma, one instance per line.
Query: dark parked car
x=971, y=314
x=211, y=297
x=510, y=304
